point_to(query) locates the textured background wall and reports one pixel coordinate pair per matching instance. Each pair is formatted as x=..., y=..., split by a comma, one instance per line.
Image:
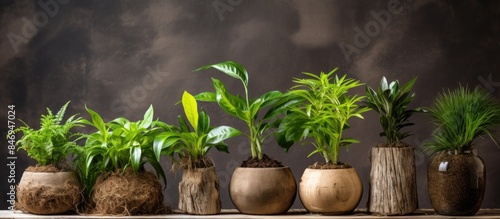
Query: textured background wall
x=118, y=57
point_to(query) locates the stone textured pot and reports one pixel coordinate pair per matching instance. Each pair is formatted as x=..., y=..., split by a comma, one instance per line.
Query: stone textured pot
x=456, y=183
x=262, y=191
x=330, y=191
x=393, y=181
x=48, y=193
x=199, y=191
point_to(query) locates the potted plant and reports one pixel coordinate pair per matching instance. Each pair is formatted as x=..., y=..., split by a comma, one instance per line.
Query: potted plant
x=112, y=167
x=50, y=187
x=332, y=187
x=393, y=184
x=456, y=175
x=261, y=185
x=199, y=189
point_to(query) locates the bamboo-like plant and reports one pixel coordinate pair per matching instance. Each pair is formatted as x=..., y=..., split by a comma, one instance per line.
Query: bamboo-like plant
x=461, y=116
x=53, y=141
x=323, y=114
x=191, y=146
x=117, y=145
x=391, y=101
x=244, y=108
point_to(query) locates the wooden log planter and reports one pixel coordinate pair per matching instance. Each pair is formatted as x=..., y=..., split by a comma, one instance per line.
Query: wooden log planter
x=393, y=185
x=199, y=191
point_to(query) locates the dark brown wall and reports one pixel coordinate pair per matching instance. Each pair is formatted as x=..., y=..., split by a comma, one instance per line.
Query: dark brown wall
x=118, y=57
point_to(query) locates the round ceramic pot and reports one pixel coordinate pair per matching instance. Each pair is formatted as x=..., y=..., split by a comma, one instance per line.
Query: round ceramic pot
x=48, y=193
x=456, y=183
x=330, y=191
x=262, y=191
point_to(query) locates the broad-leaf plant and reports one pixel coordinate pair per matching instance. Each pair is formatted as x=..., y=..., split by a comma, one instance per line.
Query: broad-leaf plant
x=323, y=114
x=117, y=145
x=245, y=108
x=191, y=144
x=54, y=141
x=390, y=101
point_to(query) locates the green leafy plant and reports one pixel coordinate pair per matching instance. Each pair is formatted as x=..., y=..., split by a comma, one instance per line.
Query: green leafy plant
x=192, y=145
x=53, y=142
x=461, y=116
x=323, y=114
x=244, y=108
x=118, y=144
x=391, y=101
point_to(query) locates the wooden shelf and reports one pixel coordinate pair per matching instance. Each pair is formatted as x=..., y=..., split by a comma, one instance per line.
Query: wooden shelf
x=294, y=213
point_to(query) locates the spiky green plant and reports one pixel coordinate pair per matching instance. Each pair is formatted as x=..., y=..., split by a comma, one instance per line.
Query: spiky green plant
x=324, y=113
x=461, y=116
x=53, y=142
x=391, y=101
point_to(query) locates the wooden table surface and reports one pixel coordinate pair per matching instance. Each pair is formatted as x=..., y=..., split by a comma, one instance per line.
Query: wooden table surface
x=294, y=213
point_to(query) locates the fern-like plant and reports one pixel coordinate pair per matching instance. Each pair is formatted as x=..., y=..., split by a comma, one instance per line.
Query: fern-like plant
x=391, y=101
x=323, y=114
x=461, y=116
x=54, y=141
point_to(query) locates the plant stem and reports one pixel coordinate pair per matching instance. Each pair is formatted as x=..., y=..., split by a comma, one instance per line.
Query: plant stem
x=325, y=155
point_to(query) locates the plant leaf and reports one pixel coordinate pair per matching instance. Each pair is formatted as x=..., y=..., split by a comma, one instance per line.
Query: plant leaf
x=230, y=104
x=148, y=118
x=221, y=133
x=230, y=68
x=136, y=154
x=190, y=109
x=206, y=96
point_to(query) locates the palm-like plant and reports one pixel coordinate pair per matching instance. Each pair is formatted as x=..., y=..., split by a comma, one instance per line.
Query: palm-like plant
x=192, y=145
x=323, y=114
x=244, y=108
x=391, y=101
x=461, y=116
x=54, y=141
x=118, y=144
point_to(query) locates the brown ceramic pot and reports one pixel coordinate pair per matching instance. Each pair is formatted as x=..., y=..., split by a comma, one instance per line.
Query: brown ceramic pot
x=330, y=191
x=48, y=193
x=456, y=183
x=262, y=191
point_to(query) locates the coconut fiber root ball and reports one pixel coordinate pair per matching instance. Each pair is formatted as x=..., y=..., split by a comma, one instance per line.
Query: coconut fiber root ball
x=128, y=193
x=44, y=193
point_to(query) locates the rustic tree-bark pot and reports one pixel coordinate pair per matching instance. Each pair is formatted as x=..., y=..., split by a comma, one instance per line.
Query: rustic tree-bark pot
x=456, y=183
x=262, y=191
x=393, y=184
x=330, y=191
x=48, y=193
x=199, y=191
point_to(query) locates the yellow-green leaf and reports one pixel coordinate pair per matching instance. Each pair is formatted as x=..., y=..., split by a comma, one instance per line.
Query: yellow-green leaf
x=190, y=109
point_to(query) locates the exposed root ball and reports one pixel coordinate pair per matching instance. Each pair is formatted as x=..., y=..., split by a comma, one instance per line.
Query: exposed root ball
x=48, y=193
x=127, y=193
